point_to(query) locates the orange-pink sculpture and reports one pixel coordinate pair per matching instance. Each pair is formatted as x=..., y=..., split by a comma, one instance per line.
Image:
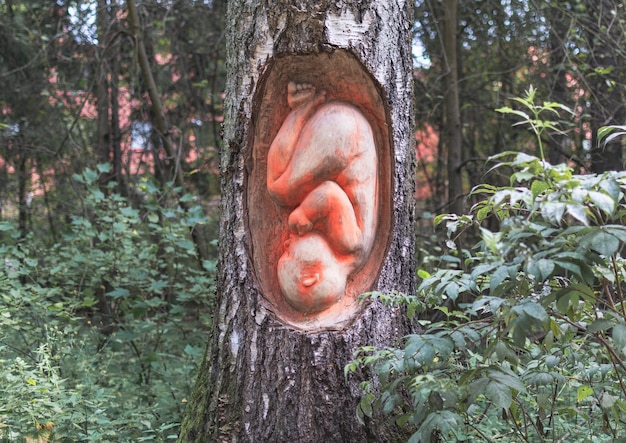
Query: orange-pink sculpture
x=323, y=167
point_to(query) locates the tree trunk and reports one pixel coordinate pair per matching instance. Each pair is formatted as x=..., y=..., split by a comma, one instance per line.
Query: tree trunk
x=274, y=371
x=103, y=148
x=607, y=101
x=452, y=108
x=23, y=178
x=116, y=132
x=559, y=28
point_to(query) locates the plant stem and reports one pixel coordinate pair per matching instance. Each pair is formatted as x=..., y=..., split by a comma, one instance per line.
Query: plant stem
x=618, y=286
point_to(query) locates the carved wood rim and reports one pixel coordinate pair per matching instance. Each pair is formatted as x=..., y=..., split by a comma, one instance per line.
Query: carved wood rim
x=346, y=79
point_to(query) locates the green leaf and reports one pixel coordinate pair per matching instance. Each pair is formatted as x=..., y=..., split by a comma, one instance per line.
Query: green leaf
x=600, y=325
x=499, y=394
x=500, y=274
x=604, y=243
x=416, y=438
x=364, y=409
x=186, y=244
x=445, y=421
x=97, y=194
x=153, y=218
x=482, y=269
x=483, y=213
x=553, y=211
x=103, y=167
x=552, y=361
x=128, y=211
x=508, y=378
x=604, y=131
x=603, y=201
x=452, y=290
x=546, y=267
x=583, y=392
x=538, y=187
x=90, y=176
x=523, y=159
x=422, y=274
x=118, y=292
x=578, y=212
x=619, y=337
x=535, y=311
x=31, y=262
x=570, y=296
x=618, y=231
x=193, y=351
x=577, y=268
x=542, y=269
x=608, y=401
x=508, y=110
x=389, y=404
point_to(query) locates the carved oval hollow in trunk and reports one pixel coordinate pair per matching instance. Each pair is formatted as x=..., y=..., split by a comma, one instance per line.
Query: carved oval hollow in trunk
x=312, y=272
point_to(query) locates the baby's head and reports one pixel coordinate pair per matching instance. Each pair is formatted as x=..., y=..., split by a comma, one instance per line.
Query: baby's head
x=310, y=276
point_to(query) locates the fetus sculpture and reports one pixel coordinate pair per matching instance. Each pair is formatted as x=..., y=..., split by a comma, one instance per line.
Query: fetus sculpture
x=322, y=166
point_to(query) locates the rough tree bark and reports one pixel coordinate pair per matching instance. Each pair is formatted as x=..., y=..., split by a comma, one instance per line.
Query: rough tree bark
x=263, y=380
x=103, y=148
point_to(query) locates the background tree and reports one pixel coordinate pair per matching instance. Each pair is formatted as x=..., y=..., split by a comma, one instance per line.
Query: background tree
x=452, y=119
x=602, y=62
x=502, y=50
x=105, y=299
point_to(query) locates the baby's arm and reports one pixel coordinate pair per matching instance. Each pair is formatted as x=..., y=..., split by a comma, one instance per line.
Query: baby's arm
x=328, y=209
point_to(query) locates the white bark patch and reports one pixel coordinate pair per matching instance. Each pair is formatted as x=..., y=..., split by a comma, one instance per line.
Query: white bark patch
x=289, y=377
x=240, y=249
x=266, y=405
x=234, y=343
x=260, y=315
x=319, y=356
x=344, y=31
x=264, y=48
x=253, y=351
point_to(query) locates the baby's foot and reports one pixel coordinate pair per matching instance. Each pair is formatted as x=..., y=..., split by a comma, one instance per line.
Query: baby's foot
x=300, y=93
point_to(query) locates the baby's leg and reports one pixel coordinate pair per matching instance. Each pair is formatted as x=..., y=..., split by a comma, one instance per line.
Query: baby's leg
x=328, y=209
x=303, y=99
x=334, y=141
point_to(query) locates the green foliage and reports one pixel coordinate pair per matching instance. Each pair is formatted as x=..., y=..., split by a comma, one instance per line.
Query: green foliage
x=607, y=134
x=524, y=335
x=532, y=115
x=101, y=333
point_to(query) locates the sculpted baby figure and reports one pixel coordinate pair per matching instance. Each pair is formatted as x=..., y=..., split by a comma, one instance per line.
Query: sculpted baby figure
x=322, y=165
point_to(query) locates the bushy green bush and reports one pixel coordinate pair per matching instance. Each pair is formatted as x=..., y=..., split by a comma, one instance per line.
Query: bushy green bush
x=102, y=332
x=526, y=336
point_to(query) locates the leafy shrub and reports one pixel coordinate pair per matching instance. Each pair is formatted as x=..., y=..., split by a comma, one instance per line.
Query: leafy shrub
x=528, y=339
x=101, y=333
